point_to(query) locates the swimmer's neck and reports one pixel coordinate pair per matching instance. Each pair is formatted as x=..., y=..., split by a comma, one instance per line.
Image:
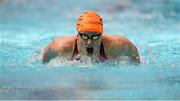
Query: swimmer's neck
x=77, y=54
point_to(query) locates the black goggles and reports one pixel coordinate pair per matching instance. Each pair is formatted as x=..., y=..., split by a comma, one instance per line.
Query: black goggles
x=84, y=36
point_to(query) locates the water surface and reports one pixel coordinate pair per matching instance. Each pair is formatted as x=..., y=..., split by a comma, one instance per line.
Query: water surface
x=27, y=26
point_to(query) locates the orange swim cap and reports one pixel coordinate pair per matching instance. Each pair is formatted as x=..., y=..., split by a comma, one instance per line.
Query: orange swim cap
x=90, y=21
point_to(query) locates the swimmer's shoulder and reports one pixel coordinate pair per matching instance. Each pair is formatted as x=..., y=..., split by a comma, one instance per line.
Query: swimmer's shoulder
x=116, y=45
x=62, y=45
x=117, y=41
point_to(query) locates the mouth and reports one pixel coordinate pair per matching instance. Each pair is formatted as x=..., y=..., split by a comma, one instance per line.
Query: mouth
x=90, y=50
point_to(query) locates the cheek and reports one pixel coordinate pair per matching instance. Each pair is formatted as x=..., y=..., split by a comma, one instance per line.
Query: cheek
x=97, y=43
x=97, y=46
x=82, y=43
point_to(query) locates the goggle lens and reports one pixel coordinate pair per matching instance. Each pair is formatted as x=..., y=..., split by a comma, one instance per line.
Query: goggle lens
x=85, y=37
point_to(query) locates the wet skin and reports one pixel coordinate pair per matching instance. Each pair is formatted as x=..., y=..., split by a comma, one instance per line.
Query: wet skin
x=114, y=46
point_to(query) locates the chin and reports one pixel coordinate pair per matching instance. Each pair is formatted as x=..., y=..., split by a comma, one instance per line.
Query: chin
x=90, y=54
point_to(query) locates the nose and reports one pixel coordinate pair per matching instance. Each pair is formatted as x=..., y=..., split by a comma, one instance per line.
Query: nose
x=89, y=42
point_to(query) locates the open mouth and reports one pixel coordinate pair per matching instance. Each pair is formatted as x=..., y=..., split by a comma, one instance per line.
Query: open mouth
x=90, y=50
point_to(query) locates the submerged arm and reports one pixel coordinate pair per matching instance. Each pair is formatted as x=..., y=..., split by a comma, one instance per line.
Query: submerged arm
x=116, y=46
x=134, y=54
x=48, y=54
x=63, y=45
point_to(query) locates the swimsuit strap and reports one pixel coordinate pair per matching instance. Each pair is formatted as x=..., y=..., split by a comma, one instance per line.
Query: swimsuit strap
x=102, y=55
x=75, y=51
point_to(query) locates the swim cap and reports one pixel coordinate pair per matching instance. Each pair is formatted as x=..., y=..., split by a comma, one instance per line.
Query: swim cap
x=90, y=21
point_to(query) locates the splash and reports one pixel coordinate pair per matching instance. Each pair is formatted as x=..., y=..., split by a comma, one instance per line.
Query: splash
x=36, y=57
x=84, y=62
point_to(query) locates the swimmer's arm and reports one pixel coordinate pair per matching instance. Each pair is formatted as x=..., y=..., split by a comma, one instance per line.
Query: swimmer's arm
x=62, y=45
x=130, y=50
x=127, y=49
x=134, y=55
x=121, y=46
x=48, y=54
x=52, y=50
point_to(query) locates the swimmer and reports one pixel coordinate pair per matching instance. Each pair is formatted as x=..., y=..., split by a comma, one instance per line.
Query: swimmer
x=92, y=42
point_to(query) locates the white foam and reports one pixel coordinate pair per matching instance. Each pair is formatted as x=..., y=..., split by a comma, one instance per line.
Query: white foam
x=84, y=62
x=36, y=57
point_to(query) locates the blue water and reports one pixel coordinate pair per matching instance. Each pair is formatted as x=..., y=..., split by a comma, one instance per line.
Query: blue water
x=27, y=26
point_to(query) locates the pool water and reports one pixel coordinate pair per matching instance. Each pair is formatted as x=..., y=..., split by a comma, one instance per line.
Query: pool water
x=27, y=26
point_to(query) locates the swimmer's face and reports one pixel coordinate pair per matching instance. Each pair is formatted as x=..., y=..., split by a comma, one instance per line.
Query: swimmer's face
x=89, y=43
